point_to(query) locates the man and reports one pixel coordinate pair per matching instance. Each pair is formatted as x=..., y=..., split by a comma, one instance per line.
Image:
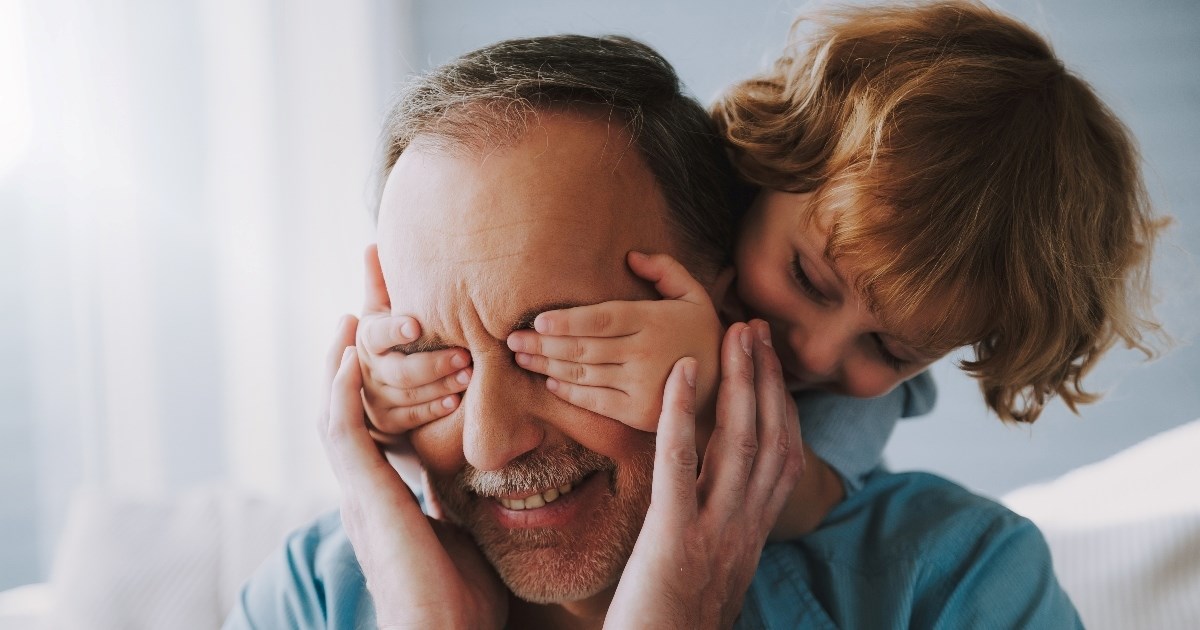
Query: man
x=519, y=176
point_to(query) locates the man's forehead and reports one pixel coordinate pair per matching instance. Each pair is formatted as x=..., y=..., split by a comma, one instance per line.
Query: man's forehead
x=547, y=219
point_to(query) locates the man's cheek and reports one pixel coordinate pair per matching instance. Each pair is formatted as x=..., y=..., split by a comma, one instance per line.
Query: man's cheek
x=439, y=446
x=602, y=434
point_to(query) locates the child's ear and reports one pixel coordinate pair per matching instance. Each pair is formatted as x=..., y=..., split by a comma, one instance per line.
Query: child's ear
x=724, y=297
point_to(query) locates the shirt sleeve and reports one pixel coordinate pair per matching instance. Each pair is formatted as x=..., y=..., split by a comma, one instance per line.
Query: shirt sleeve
x=1008, y=583
x=313, y=582
x=850, y=433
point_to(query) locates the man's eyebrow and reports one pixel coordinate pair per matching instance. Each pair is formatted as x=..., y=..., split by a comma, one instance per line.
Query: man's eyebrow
x=525, y=321
x=427, y=343
x=432, y=342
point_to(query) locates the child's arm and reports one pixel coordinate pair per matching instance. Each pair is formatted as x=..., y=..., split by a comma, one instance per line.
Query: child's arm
x=613, y=359
x=402, y=391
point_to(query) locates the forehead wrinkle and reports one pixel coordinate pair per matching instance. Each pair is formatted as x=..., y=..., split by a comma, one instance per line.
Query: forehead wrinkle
x=478, y=245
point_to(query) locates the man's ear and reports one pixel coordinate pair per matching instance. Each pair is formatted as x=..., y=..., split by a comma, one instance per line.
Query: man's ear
x=724, y=296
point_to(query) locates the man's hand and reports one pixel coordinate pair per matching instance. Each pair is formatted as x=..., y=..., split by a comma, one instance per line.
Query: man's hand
x=613, y=358
x=702, y=538
x=402, y=391
x=421, y=573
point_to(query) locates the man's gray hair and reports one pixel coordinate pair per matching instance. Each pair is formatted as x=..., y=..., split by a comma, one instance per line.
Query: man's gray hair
x=487, y=97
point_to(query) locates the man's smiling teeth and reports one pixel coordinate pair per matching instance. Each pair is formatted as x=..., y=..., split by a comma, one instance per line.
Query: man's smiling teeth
x=534, y=501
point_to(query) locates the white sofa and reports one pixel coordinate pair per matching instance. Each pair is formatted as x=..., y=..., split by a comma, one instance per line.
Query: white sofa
x=1125, y=535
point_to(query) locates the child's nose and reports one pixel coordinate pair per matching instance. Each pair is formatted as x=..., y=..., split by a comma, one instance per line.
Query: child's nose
x=819, y=352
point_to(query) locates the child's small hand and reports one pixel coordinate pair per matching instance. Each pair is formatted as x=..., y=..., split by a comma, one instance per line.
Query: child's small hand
x=614, y=358
x=402, y=391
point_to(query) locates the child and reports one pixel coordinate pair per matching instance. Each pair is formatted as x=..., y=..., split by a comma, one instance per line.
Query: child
x=930, y=177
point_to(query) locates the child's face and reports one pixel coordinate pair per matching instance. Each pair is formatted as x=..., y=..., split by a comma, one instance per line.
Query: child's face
x=824, y=332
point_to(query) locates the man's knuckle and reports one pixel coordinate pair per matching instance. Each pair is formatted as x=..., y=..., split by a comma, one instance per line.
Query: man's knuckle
x=683, y=457
x=746, y=448
x=783, y=443
x=577, y=351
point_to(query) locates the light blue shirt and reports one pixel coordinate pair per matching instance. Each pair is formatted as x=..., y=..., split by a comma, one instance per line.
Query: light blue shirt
x=907, y=550
x=849, y=433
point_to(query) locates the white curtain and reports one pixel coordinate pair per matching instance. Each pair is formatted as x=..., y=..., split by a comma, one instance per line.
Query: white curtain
x=185, y=188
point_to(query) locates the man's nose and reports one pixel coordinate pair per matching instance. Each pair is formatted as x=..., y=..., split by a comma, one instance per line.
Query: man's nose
x=498, y=421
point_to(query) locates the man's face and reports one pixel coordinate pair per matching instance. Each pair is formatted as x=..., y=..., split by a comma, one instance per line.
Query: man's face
x=476, y=243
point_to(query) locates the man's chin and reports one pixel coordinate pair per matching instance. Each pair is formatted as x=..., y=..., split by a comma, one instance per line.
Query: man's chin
x=566, y=551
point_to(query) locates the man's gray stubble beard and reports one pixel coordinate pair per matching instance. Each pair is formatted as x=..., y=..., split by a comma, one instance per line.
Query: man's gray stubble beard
x=547, y=565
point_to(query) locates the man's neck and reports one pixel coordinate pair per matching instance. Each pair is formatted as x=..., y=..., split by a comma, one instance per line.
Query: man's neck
x=586, y=614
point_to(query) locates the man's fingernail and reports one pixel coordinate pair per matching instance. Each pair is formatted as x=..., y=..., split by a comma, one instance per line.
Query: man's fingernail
x=636, y=255
x=541, y=324
x=448, y=402
x=463, y=377
x=551, y=384
x=764, y=333
x=744, y=337
x=522, y=359
x=458, y=362
x=515, y=343
x=689, y=372
x=408, y=330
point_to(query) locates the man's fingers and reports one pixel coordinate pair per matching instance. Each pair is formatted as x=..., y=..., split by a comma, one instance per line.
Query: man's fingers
x=376, y=298
x=673, y=494
x=603, y=375
x=377, y=334
x=593, y=350
x=670, y=278
x=607, y=319
x=355, y=457
x=778, y=431
x=734, y=444
x=342, y=338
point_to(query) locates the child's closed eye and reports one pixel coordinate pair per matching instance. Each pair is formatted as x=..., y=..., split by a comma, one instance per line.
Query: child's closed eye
x=806, y=284
x=892, y=361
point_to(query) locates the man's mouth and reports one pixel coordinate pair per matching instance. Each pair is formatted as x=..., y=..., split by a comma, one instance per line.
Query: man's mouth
x=536, y=500
x=555, y=507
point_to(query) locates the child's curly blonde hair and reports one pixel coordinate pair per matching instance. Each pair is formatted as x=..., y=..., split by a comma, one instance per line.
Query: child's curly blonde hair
x=984, y=175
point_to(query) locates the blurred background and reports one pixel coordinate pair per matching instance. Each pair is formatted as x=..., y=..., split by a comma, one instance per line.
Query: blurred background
x=185, y=190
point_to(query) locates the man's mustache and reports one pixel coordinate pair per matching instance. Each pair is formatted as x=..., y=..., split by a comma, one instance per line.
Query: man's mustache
x=535, y=471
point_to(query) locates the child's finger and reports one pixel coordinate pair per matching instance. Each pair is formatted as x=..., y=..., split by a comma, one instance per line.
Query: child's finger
x=602, y=400
x=602, y=375
x=399, y=420
x=606, y=319
x=380, y=333
x=673, y=492
x=387, y=396
x=594, y=350
x=670, y=278
x=376, y=298
x=411, y=371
